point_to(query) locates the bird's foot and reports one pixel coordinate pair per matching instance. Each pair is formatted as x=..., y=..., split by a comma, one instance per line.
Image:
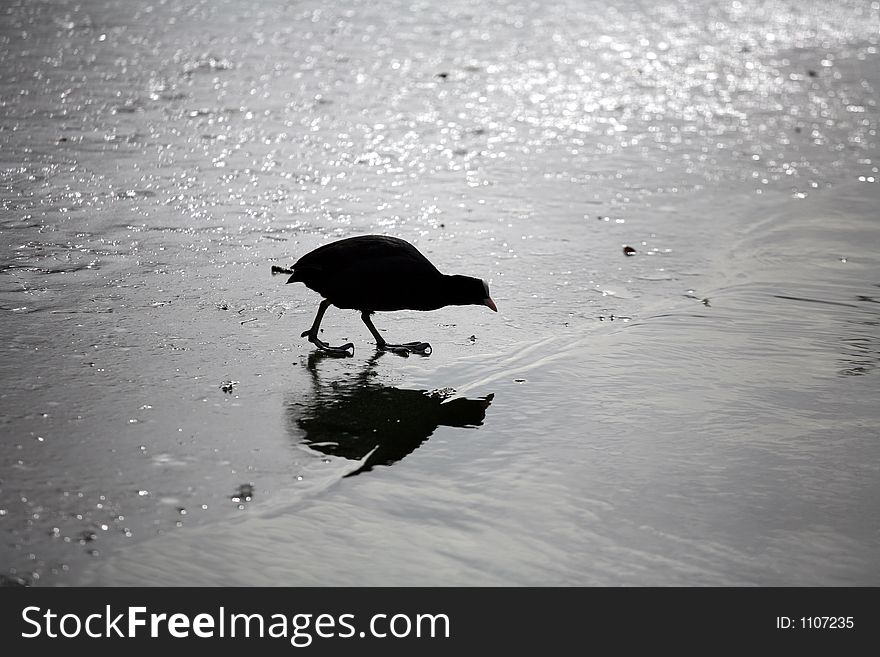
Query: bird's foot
x=343, y=350
x=407, y=348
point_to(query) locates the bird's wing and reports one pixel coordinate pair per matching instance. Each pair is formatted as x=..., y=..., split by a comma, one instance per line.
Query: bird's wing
x=372, y=253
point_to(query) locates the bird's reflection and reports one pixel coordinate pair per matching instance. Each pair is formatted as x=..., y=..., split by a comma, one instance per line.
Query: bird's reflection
x=358, y=418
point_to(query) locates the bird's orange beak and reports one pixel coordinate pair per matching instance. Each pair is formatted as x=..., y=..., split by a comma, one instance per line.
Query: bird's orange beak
x=488, y=301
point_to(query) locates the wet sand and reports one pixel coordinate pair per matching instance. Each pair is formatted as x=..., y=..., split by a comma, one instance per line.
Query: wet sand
x=702, y=412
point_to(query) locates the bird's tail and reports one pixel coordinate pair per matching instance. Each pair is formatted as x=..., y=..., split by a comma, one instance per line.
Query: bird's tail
x=281, y=270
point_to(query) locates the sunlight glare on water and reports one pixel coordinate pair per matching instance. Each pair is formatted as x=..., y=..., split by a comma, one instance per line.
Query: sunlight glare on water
x=674, y=204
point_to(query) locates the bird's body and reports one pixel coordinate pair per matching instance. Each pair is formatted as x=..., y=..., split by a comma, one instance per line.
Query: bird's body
x=373, y=272
x=380, y=273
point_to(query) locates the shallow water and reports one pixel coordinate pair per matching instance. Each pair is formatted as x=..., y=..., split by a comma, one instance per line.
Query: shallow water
x=701, y=413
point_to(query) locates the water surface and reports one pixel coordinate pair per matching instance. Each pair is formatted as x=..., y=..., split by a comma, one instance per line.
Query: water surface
x=702, y=412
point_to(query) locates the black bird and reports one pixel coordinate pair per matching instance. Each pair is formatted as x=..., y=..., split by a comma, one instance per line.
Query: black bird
x=375, y=273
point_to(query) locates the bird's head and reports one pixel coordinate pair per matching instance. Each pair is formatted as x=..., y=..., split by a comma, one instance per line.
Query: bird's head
x=487, y=300
x=467, y=291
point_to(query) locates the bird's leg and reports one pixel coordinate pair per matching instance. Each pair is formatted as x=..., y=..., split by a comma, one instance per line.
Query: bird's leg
x=404, y=349
x=312, y=335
